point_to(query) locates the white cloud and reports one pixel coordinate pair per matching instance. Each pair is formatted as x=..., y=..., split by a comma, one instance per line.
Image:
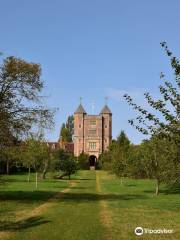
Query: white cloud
x=118, y=94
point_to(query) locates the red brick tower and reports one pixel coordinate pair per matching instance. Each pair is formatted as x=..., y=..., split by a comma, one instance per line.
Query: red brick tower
x=92, y=133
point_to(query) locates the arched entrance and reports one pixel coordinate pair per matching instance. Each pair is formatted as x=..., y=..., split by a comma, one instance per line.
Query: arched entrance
x=92, y=162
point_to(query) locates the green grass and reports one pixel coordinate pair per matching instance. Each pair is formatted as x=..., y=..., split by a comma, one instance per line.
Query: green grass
x=76, y=214
x=135, y=205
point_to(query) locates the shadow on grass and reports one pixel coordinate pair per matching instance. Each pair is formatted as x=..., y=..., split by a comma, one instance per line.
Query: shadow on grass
x=22, y=224
x=82, y=197
x=32, y=180
x=29, y=197
x=87, y=179
x=26, y=196
x=130, y=185
x=10, y=180
x=175, y=189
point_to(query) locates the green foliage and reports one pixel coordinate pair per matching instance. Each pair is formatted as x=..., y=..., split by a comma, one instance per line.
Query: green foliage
x=161, y=160
x=20, y=105
x=161, y=152
x=168, y=106
x=36, y=154
x=70, y=126
x=68, y=166
x=21, y=109
x=59, y=155
x=116, y=159
x=10, y=156
x=67, y=130
x=157, y=158
x=83, y=161
x=65, y=162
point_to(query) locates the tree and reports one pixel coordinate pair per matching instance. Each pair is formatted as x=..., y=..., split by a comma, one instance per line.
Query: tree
x=10, y=156
x=70, y=126
x=67, y=130
x=116, y=158
x=36, y=155
x=123, y=141
x=64, y=162
x=120, y=155
x=58, y=155
x=160, y=160
x=64, y=134
x=168, y=106
x=165, y=128
x=83, y=161
x=68, y=166
x=20, y=103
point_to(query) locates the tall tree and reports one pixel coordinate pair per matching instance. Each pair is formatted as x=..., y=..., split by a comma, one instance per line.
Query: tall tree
x=168, y=106
x=168, y=126
x=20, y=101
x=67, y=130
x=70, y=126
x=36, y=155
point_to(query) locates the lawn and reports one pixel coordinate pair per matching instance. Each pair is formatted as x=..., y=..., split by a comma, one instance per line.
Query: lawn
x=93, y=205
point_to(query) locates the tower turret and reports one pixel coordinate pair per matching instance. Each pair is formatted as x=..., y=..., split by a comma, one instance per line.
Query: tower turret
x=79, y=130
x=106, y=127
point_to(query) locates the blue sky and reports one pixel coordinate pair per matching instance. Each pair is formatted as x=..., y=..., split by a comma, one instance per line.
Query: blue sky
x=93, y=49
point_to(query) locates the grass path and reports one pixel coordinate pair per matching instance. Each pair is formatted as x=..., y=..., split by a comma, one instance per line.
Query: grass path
x=22, y=216
x=105, y=216
x=73, y=213
x=92, y=206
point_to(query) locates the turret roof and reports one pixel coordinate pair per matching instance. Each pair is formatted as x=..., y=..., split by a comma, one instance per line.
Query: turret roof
x=80, y=109
x=106, y=110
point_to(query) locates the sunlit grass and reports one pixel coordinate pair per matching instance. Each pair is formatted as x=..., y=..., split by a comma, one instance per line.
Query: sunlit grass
x=75, y=214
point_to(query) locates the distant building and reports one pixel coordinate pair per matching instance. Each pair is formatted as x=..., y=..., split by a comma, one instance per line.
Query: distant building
x=53, y=145
x=66, y=146
x=92, y=133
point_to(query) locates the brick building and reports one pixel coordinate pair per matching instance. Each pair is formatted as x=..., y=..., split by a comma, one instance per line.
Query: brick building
x=92, y=133
x=66, y=146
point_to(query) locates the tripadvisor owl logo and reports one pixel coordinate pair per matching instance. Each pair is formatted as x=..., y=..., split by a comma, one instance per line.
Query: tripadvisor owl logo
x=138, y=231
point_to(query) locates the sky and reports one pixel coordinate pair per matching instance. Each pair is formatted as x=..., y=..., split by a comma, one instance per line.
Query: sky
x=93, y=49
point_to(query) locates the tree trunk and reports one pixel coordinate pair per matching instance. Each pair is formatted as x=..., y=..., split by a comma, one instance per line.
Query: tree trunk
x=7, y=167
x=121, y=181
x=29, y=172
x=44, y=174
x=157, y=187
x=61, y=176
x=45, y=170
x=36, y=180
x=69, y=177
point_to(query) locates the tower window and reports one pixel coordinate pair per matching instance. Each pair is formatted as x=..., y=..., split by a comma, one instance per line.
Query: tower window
x=79, y=125
x=92, y=132
x=93, y=122
x=92, y=145
x=105, y=126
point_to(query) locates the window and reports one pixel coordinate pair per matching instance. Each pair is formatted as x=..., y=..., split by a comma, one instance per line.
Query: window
x=93, y=122
x=92, y=132
x=105, y=126
x=79, y=125
x=92, y=145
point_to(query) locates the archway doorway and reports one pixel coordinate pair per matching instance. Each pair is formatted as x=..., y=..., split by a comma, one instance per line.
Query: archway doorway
x=92, y=162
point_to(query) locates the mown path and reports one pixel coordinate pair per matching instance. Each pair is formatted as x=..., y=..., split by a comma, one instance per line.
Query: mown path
x=77, y=212
x=94, y=205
